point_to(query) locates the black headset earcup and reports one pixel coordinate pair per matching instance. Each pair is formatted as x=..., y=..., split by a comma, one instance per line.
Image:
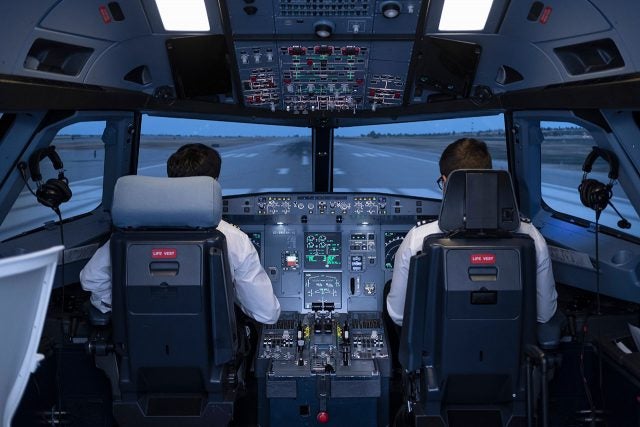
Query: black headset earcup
x=594, y=194
x=53, y=193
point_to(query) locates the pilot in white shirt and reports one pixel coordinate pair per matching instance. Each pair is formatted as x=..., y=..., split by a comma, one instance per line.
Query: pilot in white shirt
x=545, y=284
x=253, y=290
x=468, y=153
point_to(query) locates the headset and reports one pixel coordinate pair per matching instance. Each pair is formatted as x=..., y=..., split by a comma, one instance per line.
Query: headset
x=593, y=193
x=55, y=191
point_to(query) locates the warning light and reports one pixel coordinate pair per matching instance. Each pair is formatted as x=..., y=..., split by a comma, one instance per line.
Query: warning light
x=106, y=17
x=546, y=13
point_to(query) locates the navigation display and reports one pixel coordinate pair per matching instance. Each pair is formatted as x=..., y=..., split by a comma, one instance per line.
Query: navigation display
x=392, y=241
x=256, y=239
x=322, y=251
x=322, y=287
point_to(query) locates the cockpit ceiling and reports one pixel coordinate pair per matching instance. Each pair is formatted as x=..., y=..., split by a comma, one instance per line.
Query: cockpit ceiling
x=309, y=57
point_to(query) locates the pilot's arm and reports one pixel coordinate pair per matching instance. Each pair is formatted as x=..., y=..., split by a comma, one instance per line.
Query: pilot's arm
x=398, y=290
x=410, y=246
x=95, y=277
x=254, y=292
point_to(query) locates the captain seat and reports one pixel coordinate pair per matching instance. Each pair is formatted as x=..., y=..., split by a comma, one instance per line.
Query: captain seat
x=470, y=310
x=174, y=326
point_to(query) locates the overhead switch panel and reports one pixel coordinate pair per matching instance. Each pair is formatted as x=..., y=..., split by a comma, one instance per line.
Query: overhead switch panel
x=305, y=77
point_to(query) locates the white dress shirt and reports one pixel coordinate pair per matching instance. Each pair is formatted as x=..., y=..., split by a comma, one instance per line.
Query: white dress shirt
x=252, y=286
x=545, y=284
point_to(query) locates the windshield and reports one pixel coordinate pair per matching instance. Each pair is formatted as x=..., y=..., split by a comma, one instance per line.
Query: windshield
x=403, y=158
x=395, y=158
x=255, y=158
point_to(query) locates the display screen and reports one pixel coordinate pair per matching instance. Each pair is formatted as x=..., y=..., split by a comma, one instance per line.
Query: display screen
x=322, y=287
x=322, y=251
x=290, y=260
x=256, y=240
x=392, y=241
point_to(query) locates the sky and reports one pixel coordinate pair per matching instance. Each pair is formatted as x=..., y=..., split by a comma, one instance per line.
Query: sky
x=174, y=126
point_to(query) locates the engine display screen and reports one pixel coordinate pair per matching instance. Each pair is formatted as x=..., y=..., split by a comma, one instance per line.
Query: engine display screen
x=322, y=251
x=322, y=287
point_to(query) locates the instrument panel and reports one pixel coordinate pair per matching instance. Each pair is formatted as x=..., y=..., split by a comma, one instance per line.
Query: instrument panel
x=329, y=257
x=305, y=70
x=335, y=249
x=383, y=206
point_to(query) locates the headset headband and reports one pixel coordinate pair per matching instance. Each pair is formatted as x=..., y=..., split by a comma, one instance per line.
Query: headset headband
x=607, y=156
x=36, y=158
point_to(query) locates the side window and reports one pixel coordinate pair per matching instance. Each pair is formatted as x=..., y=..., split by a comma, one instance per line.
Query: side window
x=564, y=148
x=81, y=150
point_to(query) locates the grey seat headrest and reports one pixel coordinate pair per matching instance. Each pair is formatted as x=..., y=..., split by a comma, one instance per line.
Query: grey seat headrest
x=143, y=201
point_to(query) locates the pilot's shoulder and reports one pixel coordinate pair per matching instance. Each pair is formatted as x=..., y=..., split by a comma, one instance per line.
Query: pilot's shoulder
x=229, y=229
x=425, y=222
x=423, y=228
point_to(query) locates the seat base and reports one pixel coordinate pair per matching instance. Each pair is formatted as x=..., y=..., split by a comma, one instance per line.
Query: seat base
x=458, y=417
x=171, y=411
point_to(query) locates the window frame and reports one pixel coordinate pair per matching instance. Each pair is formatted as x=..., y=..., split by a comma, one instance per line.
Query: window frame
x=527, y=145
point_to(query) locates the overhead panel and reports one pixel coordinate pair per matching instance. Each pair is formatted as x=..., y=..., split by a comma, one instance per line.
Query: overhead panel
x=302, y=77
x=259, y=74
x=302, y=56
x=345, y=17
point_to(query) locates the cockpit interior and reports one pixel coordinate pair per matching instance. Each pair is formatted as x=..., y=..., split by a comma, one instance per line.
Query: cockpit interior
x=330, y=118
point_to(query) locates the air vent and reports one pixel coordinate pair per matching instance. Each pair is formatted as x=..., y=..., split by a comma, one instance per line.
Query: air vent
x=140, y=75
x=116, y=11
x=590, y=57
x=250, y=10
x=535, y=11
x=56, y=57
x=507, y=75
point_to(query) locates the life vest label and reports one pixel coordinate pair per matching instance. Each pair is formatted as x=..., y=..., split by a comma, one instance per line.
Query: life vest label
x=483, y=258
x=164, y=253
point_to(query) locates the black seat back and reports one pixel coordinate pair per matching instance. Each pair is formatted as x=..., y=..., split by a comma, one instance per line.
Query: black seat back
x=173, y=314
x=470, y=307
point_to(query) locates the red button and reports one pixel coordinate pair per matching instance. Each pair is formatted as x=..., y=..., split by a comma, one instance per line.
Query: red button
x=322, y=417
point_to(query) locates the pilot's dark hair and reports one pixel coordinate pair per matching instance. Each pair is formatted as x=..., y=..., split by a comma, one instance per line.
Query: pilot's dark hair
x=465, y=153
x=194, y=160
